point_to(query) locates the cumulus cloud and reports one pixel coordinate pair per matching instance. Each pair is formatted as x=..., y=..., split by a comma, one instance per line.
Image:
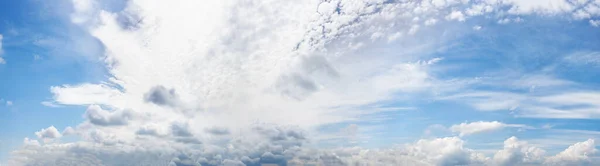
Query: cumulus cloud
x=517, y=152
x=48, y=134
x=98, y=116
x=160, y=95
x=577, y=154
x=30, y=142
x=437, y=151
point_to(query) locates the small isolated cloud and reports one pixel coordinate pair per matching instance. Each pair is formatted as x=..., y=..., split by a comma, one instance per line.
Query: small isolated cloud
x=477, y=27
x=478, y=127
x=9, y=103
x=2, y=61
x=48, y=134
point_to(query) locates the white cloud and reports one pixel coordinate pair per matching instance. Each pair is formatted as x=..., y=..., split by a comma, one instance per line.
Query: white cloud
x=48, y=134
x=50, y=104
x=477, y=127
x=517, y=152
x=84, y=94
x=539, y=6
x=456, y=15
x=98, y=116
x=431, y=21
x=2, y=61
x=9, y=103
x=584, y=58
x=477, y=27
x=577, y=154
x=30, y=142
x=442, y=151
x=84, y=11
x=180, y=77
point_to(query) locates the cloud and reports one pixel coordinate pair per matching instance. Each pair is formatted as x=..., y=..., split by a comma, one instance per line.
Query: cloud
x=478, y=127
x=577, y=154
x=280, y=70
x=98, y=116
x=48, y=134
x=595, y=23
x=30, y=142
x=542, y=6
x=456, y=15
x=442, y=151
x=584, y=58
x=84, y=11
x=218, y=131
x=181, y=129
x=2, y=61
x=84, y=94
x=159, y=95
x=9, y=103
x=69, y=131
x=437, y=151
x=539, y=96
x=517, y=152
x=50, y=104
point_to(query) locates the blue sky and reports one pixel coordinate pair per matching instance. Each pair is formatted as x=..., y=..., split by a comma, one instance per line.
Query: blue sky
x=510, y=82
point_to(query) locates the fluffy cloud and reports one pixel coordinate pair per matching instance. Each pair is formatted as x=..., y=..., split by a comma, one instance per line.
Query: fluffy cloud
x=84, y=94
x=159, y=95
x=517, y=152
x=48, y=134
x=255, y=82
x=438, y=151
x=98, y=116
x=577, y=154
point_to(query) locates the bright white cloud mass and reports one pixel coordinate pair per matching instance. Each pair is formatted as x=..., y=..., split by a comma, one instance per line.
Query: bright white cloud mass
x=259, y=82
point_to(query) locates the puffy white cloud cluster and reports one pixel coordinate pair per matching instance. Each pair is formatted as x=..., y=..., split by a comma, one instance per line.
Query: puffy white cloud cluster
x=251, y=82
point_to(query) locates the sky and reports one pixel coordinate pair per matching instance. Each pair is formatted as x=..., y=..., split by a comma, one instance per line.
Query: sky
x=299, y=82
